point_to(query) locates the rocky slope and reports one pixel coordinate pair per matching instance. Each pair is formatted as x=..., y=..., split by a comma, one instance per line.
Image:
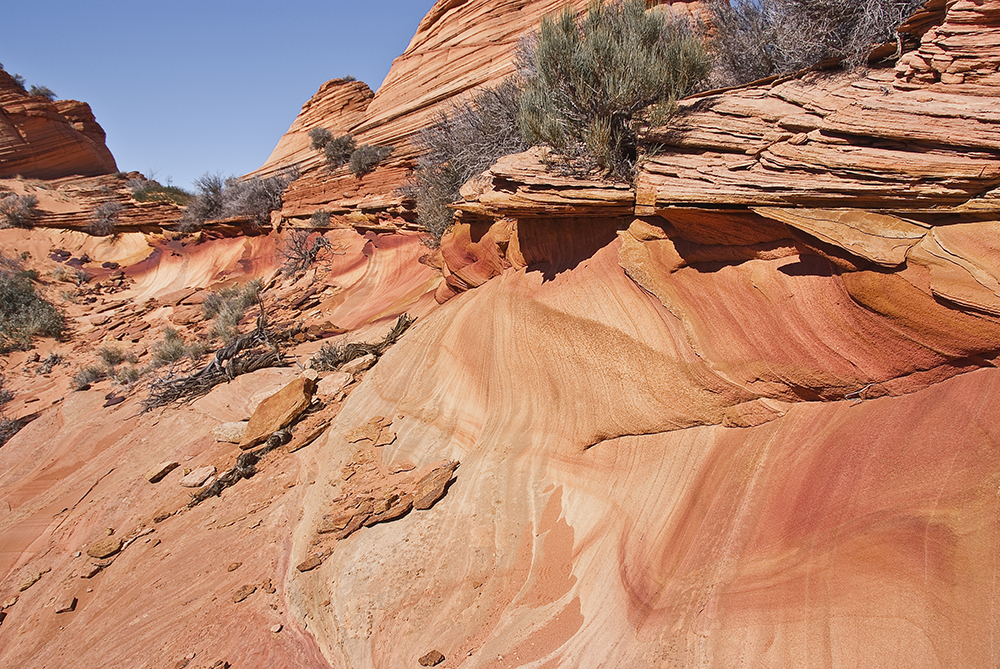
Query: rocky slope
x=48, y=140
x=740, y=414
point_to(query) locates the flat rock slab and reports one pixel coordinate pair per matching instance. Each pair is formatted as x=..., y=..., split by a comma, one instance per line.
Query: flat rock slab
x=156, y=474
x=198, y=476
x=231, y=433
x=359, y=364
x=104, y=548
x=278, y=411
x=331, y=384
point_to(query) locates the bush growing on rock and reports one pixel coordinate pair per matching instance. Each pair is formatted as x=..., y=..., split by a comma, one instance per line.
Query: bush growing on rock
x=25, y=314
x=43, y=92
x=150, y=190
x=319, y=138
x=104, y=219
x=338, y=151
x=301, y=249
x=18, y=211
x=227, y=307
x=253, y=198
x=753, y=39
x=367, y=157
x=588, y=83
x=462, y=143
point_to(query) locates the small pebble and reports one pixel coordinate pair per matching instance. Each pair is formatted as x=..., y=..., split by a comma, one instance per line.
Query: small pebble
x=276, y=628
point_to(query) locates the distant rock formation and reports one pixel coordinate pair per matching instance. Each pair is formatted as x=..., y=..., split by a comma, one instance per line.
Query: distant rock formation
x=42, y=139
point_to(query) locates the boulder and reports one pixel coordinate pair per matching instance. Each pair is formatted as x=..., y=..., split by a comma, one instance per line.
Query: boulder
x=431, y=659
x=278, y=411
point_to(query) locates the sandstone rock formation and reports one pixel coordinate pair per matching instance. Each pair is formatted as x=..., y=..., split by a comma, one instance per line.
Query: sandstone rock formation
x=461, y=45
x=740, y=414
x=48, y=140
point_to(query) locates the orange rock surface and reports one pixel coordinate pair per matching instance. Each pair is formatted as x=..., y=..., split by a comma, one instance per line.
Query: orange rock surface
x=743, y=414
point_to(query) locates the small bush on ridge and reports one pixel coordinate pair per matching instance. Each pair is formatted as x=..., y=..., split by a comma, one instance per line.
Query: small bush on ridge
x=367, y=157
x=338, y=151
x=217, y=198
x=587, y=82
x=153, y=191
x=104, y=219
x=753, y=39
x=43, y=92
x=18, y=211
x=462, y=143
x=26, y=314
x=319, y=138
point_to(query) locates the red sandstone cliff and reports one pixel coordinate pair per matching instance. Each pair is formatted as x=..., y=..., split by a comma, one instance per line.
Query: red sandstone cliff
x=48, y=140
x=742, y=414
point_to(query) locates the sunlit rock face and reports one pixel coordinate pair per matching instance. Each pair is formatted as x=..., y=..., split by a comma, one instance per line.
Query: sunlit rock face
x=48, y=140
x=741, y=413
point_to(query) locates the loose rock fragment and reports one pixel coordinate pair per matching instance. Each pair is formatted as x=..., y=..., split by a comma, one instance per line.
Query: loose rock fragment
x=431, y=659
x=34, y=578
x=66, y=604
x=277, y=628
x=243, y=593
x=104, y=548
x=278, y=411
x=310, y=564
x=198, y=477
x=359, y=364
x=91, y=571
x=156, y=474
x=234, y=566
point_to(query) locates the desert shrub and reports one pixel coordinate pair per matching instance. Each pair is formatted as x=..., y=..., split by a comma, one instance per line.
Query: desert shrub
x=113, y=356
x=462, y=143
x=227, y=307
x=75, y=275
x=51, y=361
x=18, y=211
x=128, y=375
x=753, y=39
x=332, y=356
x=19, y=82
x=301, y=249
x=320, y=219
x=153, y=191
x=319, y=138
x=168, y=350
x=253, y=198
x=104, y=219
x=338, y=151
x=5, y=395
x=8, y=427
x=25, y=313
x=367, y=157
x=587, y=82
x=43, y=92
x=86, y=376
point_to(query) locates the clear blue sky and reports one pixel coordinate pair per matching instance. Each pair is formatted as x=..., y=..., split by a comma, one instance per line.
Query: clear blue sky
x=183, y=88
